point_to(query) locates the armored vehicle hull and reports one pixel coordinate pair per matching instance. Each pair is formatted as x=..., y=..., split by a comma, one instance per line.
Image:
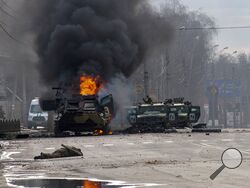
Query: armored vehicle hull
x=82, y=122
x=161, y=116
x=80, y=113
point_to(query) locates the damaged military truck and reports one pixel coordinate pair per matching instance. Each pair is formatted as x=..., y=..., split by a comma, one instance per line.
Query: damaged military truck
x=80, y=113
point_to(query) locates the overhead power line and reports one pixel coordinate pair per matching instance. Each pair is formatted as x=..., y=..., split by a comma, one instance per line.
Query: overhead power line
x=7, y=33
x=6, y=12
x=7, y=5
x=214, y=28
x=3, y=23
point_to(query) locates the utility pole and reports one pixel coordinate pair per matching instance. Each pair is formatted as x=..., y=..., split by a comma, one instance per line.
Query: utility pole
x=167, y=75
x=146, y=79
x=224, y=99
x=13, y=103
x=234, y=97
x=24, y=96
x=213, y=98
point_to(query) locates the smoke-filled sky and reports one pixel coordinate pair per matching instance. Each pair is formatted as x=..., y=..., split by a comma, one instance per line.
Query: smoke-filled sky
x=94, y=37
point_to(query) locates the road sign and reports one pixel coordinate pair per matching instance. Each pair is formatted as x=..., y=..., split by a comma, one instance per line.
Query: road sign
x=226, y=88
x=213, y=90
x=139, y=89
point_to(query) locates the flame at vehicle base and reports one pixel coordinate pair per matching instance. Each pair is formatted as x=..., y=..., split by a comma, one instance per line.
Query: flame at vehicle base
x=101, y=132
x=98, y=132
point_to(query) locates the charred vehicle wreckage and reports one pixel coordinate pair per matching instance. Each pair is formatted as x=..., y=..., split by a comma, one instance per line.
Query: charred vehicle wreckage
x=172, y=113
x=82, y=111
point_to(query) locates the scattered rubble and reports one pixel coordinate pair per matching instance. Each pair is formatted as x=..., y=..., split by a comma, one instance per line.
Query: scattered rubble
x=154, y=162
x=65, y=151
x=206, y=130
x=136, y=130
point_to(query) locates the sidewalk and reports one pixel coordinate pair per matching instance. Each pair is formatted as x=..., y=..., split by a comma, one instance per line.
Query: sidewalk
x=2, y=178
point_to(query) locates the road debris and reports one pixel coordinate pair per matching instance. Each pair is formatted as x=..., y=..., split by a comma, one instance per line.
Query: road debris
x=153, y=162
x=206, y=130
x=65, y=151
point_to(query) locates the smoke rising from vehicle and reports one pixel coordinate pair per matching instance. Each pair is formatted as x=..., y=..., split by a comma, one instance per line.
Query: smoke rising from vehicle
x=94, y=37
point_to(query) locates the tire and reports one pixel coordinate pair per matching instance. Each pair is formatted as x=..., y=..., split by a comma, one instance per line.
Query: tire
x=78, y=134
x=166, y=125
x=106, y=129
x=29, y=126
x=190, y=125
x=57, y=131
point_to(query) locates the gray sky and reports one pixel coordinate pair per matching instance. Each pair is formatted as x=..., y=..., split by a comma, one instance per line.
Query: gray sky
x=227, y=13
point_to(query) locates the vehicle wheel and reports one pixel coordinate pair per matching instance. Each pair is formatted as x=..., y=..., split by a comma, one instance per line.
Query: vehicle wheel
x=135, y=129
x=78, y=134
x=190, y=125
x=166, y=126
x=106, y=129
x=29, y=126
x=57, y=131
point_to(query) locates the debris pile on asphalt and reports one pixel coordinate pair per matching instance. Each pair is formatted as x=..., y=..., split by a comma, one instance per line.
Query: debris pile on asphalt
x=206, y=130
x=154, y=162
x=65, y=151
x=136, y=130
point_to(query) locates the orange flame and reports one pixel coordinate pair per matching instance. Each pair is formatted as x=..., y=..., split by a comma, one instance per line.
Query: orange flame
x=98, y=132
x=90, y=184
x=89, y=85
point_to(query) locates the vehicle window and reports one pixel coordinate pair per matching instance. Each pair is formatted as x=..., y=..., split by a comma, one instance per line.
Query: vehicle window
x=35, y=109
x=194, y=110
x=173, y=109
x=89, y=105
x=182, y=109
x=152, y=109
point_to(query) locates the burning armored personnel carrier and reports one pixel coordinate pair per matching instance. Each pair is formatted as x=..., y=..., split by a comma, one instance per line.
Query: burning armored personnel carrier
x=81, y=111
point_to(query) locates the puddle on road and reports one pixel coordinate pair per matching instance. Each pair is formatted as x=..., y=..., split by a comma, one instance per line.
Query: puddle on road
x=72, y=183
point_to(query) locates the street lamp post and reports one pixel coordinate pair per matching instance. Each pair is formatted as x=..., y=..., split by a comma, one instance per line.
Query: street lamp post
x=213, y=79
x=235, y=96
x=215, y=103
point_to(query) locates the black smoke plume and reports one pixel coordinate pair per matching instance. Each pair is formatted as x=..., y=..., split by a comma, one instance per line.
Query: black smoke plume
x=94, y=37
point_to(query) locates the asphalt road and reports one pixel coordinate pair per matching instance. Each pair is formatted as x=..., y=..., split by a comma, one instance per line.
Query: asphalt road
x=157, y=160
